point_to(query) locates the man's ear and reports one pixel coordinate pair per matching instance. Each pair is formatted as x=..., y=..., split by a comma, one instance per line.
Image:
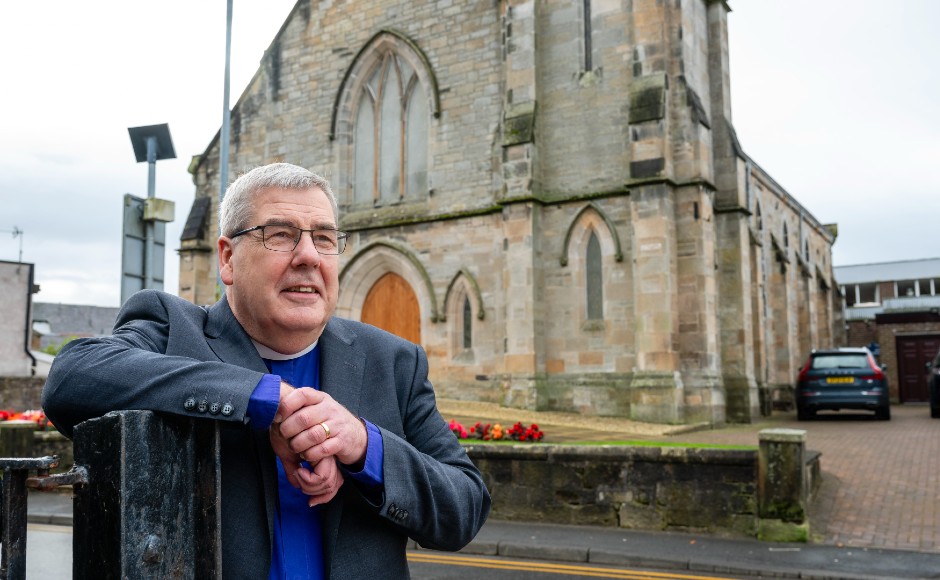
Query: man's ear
x=226, y=268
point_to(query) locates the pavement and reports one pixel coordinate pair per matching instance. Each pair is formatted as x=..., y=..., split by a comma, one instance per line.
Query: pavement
x=876, y=516
x=48, y=549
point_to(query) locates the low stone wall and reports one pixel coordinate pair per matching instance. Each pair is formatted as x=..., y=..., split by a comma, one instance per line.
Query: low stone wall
x=629, y=487
x=652, y=488
x=21, y=393
x=764, y=492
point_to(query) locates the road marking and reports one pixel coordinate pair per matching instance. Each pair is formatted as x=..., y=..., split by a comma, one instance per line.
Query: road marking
x=530, y=566
x=49, y=528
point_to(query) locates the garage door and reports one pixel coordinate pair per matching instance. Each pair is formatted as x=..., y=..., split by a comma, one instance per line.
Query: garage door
x=914, y=352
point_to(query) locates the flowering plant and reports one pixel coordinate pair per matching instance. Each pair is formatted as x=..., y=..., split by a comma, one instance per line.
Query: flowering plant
x=496, y=432
x=36, y=416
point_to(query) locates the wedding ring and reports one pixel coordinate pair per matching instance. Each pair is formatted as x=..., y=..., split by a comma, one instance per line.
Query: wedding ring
x=326, y=429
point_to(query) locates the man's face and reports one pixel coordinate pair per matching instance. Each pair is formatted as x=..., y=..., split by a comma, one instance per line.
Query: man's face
x=282, y=299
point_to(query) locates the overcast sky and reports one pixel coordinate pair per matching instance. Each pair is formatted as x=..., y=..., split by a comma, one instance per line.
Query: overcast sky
x=836, y=99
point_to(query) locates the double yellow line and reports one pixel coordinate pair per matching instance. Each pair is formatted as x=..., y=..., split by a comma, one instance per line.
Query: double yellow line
x=531, y=566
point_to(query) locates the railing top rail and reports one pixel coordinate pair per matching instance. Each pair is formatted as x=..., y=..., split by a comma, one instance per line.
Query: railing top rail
x=27, y=463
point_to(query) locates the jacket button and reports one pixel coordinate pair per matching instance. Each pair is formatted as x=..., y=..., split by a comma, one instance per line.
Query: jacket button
x=227, y=409
x=214, y=408
x=393, y=511
x=190, y=404
x=203, y=406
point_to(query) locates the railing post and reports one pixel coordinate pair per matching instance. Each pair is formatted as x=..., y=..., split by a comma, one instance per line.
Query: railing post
x=782, y=494
x=13, y=511
x=151, y=509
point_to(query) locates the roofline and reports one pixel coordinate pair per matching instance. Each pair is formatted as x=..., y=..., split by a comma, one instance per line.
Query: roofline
x=218, y=134
x=888, y=263
x=808, y=215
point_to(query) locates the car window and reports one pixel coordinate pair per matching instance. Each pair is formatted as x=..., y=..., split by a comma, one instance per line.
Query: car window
x=839, y=361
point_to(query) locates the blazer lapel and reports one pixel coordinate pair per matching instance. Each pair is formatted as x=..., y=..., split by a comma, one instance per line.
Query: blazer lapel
x=341, y=368
x=229, y=341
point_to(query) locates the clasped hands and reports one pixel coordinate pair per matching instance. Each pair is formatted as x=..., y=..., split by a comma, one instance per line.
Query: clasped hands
x=311, y=426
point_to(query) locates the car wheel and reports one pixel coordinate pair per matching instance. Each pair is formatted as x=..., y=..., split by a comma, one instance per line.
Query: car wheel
x=935, y=412
x=884, y=413
x=803, y=414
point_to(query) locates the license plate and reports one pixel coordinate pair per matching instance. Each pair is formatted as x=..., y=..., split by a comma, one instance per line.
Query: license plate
x=839, y=380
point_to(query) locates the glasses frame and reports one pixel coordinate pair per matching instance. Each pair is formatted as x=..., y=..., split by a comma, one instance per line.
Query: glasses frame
x=341, y=237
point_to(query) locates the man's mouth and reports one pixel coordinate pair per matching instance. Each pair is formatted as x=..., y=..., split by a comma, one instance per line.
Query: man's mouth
x=301, y=289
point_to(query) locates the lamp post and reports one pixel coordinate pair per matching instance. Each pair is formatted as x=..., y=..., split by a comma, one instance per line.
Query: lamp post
x=152, y=143
x=226, y=129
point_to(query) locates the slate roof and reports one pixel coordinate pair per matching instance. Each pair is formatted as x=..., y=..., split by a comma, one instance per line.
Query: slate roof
x=76, y=319
x=888, y=271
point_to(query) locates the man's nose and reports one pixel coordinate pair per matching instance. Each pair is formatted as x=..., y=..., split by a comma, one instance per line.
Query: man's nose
x=306, y=252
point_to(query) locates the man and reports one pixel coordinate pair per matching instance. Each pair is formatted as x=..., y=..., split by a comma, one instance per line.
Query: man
x=315, y=411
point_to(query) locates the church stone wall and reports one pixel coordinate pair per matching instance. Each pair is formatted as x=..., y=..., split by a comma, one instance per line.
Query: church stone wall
x=538, y=138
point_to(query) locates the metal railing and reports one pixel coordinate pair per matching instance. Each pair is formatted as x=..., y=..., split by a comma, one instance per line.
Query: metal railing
x=135, y=515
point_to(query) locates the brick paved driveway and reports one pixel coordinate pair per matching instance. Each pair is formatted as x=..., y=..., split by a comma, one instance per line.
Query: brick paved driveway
x=881, y=479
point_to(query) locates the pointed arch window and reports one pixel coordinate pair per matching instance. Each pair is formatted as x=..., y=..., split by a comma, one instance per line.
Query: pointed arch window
x=586, y=13
x=467, y=339
x=391, y=134
x=595, y=279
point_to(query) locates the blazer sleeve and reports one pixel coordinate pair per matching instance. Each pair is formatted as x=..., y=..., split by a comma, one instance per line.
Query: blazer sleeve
x=432, y=489
x=156, y=359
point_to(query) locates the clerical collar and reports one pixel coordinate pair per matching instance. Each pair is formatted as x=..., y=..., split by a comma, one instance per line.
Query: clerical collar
x=271, y=354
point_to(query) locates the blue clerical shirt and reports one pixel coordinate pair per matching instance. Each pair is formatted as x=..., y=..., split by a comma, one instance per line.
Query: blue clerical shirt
x=298, y=541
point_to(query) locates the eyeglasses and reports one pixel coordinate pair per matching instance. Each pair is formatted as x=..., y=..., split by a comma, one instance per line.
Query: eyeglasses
x=328, y=242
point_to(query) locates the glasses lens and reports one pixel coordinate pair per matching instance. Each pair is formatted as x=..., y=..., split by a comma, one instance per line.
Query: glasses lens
x=280, y=238
x=327, y=241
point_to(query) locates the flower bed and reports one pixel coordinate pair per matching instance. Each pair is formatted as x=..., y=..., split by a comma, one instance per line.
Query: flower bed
x=496, y=432
x=36, y=416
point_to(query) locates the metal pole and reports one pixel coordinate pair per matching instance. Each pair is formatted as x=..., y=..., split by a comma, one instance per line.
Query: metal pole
x=226, y=125
x=151, y=187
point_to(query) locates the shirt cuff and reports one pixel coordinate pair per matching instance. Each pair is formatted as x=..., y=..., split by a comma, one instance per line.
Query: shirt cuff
x=263, y=403
x=371, y=474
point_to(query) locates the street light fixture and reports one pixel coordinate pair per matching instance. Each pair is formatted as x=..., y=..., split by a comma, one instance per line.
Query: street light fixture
x=151, y=143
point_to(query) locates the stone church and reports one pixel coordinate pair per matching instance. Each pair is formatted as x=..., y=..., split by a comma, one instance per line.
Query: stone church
x=547, y=195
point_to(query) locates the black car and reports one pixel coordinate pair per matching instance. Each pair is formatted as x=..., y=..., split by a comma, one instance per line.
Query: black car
x=842, y=378
x=933, y=386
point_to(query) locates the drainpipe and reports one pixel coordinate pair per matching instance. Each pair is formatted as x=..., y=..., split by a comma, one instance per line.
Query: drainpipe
x=29, y=321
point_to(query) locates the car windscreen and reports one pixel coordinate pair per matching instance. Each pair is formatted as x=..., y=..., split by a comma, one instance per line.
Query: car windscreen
x=839, y=361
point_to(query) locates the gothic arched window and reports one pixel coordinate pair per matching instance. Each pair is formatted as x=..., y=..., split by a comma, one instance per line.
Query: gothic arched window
x=467, y=324
x=390, y=137
x=595, y=280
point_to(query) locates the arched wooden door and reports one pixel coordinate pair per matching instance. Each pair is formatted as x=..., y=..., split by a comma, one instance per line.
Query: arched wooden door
x=392, y=305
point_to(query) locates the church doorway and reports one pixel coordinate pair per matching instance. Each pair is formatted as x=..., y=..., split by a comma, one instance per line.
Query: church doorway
x=391, y=305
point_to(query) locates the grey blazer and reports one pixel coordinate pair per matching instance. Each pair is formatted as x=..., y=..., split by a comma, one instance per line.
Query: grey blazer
x=165, y=350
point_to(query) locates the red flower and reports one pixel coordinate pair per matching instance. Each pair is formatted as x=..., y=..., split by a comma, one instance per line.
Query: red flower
x=495, y=432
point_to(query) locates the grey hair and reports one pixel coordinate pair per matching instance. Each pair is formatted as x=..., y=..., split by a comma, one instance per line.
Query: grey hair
x=238, y=203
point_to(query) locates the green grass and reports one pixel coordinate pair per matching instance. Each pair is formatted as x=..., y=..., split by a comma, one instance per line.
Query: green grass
x=618, y=443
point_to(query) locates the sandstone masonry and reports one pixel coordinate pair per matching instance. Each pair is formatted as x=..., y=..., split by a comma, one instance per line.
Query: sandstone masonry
x=570, y=205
